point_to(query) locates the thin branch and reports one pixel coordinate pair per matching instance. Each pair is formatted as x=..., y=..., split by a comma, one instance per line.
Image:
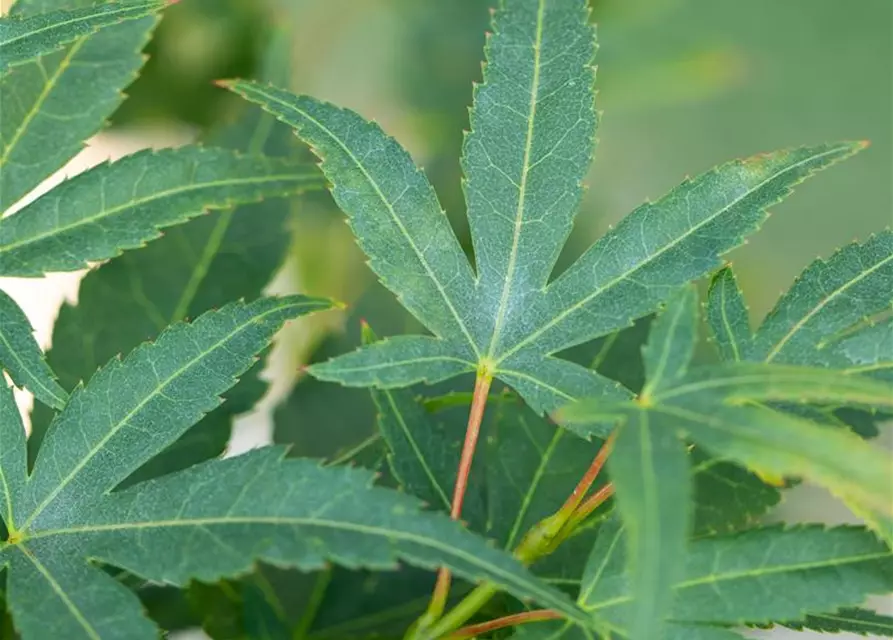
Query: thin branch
x=475, y=417
x=507, y=621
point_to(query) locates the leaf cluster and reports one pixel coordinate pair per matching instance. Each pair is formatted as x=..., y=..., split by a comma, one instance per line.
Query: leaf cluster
x=122, y=516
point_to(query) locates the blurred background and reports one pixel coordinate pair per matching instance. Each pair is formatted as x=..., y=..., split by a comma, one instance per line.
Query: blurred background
x=683, y=85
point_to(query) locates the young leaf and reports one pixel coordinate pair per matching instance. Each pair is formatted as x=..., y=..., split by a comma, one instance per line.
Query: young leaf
x=80, y=86
x=758, y=576
x=536, y=121
x=728, y=316
x=219, y=517
x=194, y=267
x=31, y=36
x=21, y=357
x=780, y=445
x=671, y=344
x=716, y=407
x=828, y=297
x=123, y=205
x=650, y=472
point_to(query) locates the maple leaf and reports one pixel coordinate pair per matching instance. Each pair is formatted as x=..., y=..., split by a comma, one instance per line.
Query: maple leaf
x=192, y=268
x=532, y=127
x=211, y=520
x=723, y=408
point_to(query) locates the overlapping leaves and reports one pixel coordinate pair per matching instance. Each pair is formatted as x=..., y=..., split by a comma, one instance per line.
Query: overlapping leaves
x=31, y=36
x=80, y=86
x=794, y=576
x=193, y=268
x=722, y=409
x=211, y=520
x=532, y=128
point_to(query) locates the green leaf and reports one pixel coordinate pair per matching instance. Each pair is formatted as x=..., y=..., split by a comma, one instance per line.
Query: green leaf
x=192, y=268
x=128, y=412
x=715, y=407
x=828, y=297
x=728, y=316
x=31, y=36
x=21, y=357
x=650, y=472
x=123, y=205
x=755, y=382
x=868, y=352
x=13, y=470
x=727, y=497
x=219, y=517
x=532, y=128
x=423, y=453
x=157, y=392
x=81, y=86
x=531, y=142
x=757, y=576
x=395, y=362
x=671, y=344
x=860, y=621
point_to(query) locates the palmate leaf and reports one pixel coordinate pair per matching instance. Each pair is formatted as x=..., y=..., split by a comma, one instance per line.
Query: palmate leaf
x=217, y=518
x=80, y=85
x=533, y=124
x=128, y=412
x=124, y=204
x=211, y=520
x=717, y=408
x=21, y=357
x=711, y=407
x=193, y=268
x=757, y=576
x=31, y=36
